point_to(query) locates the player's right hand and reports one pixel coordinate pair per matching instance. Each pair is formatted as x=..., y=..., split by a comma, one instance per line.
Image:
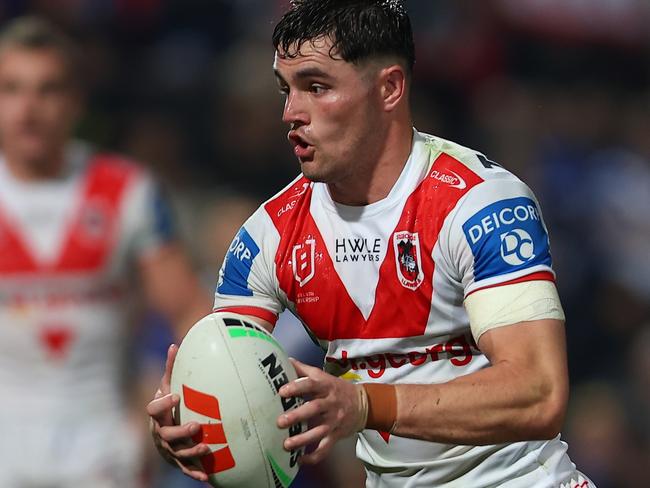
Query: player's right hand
x=174, y=442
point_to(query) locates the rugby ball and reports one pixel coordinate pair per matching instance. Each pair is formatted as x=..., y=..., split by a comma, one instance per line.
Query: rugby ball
x=227, y=372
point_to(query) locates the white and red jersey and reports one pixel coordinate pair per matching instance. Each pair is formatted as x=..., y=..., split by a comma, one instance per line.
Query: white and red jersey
x=67, y=249
x=381, y=287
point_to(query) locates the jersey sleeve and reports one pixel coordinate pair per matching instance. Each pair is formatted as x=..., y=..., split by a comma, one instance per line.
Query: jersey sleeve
x=247, y=282
x=497, y=236
x=148, y=217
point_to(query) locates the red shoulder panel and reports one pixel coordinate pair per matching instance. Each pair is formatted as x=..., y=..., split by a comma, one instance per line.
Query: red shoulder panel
x=283, y=207
x=92, y=234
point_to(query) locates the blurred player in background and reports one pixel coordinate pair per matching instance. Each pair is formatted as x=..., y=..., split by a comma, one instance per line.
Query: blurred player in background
x=422, y=267
x=78, y=228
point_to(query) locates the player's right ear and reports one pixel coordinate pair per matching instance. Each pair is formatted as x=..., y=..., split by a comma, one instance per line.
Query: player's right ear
x=393, y=84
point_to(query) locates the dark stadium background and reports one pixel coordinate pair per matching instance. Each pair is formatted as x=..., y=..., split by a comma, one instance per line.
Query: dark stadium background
x=558, y=91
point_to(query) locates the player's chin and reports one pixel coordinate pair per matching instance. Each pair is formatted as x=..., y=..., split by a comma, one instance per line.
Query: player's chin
x=36, y=153
x=312, y=171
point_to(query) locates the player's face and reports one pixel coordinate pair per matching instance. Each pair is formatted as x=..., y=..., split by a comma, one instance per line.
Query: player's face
x=332, y=108
x=38, y=105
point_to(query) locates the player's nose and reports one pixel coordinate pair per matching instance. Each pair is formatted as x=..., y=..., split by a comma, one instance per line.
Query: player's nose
x=294, y=112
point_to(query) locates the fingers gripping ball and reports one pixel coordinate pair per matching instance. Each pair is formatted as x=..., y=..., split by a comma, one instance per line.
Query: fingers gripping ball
x=227, y=373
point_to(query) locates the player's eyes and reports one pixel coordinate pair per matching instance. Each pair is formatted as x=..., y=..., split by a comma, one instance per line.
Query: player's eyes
x=314, y=88
x=9, y=88
x=317, y=88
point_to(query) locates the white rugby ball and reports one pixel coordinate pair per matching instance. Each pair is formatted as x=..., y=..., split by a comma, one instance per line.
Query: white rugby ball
x=227, y=372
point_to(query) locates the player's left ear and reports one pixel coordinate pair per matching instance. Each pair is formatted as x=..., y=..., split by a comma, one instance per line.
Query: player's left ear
x=393, y=86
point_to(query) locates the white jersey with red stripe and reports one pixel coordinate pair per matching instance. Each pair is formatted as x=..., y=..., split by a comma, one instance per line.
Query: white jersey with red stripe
x=67, y=246
x=381, y=288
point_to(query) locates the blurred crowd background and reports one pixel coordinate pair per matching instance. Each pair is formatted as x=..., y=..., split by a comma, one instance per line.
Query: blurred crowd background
x=558, y=91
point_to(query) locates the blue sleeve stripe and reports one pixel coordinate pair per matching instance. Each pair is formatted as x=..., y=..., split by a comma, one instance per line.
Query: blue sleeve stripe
x=238, y=264
x=163, y=217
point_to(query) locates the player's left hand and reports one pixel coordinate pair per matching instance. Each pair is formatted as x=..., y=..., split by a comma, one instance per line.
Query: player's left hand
x=334, y=411
x=174, y=442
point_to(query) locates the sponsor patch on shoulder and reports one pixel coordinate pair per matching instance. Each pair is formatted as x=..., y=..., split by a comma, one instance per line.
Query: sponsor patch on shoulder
x=237, y=268
x=507, y=236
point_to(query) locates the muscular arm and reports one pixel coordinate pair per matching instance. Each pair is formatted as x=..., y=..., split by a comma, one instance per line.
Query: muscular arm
x=521, y=396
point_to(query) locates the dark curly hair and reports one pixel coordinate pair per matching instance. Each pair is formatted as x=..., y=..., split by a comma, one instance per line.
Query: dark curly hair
x=359, y=29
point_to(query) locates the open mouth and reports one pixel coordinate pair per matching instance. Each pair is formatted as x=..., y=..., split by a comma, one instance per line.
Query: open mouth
x=301, y=148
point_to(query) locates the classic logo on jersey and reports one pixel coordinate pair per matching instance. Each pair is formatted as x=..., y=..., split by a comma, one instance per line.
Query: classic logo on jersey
x=507, y=236
x=239, y=259
x=303, y=257
x=299, y=191
x=454, y=180
x=407, y=259
x=357, y=249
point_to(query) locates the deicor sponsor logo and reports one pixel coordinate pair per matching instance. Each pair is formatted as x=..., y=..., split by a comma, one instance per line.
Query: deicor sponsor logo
x=505, y=217
x=240, y=249
x=507, y=236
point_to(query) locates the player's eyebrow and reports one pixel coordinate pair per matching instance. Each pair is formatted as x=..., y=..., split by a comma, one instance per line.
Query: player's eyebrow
x=311, y=72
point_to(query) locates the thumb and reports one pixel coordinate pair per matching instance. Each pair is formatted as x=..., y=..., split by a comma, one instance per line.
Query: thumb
x=169, y=365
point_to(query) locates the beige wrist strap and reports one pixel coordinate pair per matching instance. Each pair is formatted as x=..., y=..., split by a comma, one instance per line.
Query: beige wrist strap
x=363, y=408
x=382, y=407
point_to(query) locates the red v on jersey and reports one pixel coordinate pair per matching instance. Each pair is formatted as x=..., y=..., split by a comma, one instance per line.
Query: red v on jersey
x=402, y=305
x=14, y=256
x=90, y=236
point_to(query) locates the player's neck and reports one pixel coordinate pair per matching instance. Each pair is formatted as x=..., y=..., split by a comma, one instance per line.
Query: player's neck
x=370, y=184
x=36, y=169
